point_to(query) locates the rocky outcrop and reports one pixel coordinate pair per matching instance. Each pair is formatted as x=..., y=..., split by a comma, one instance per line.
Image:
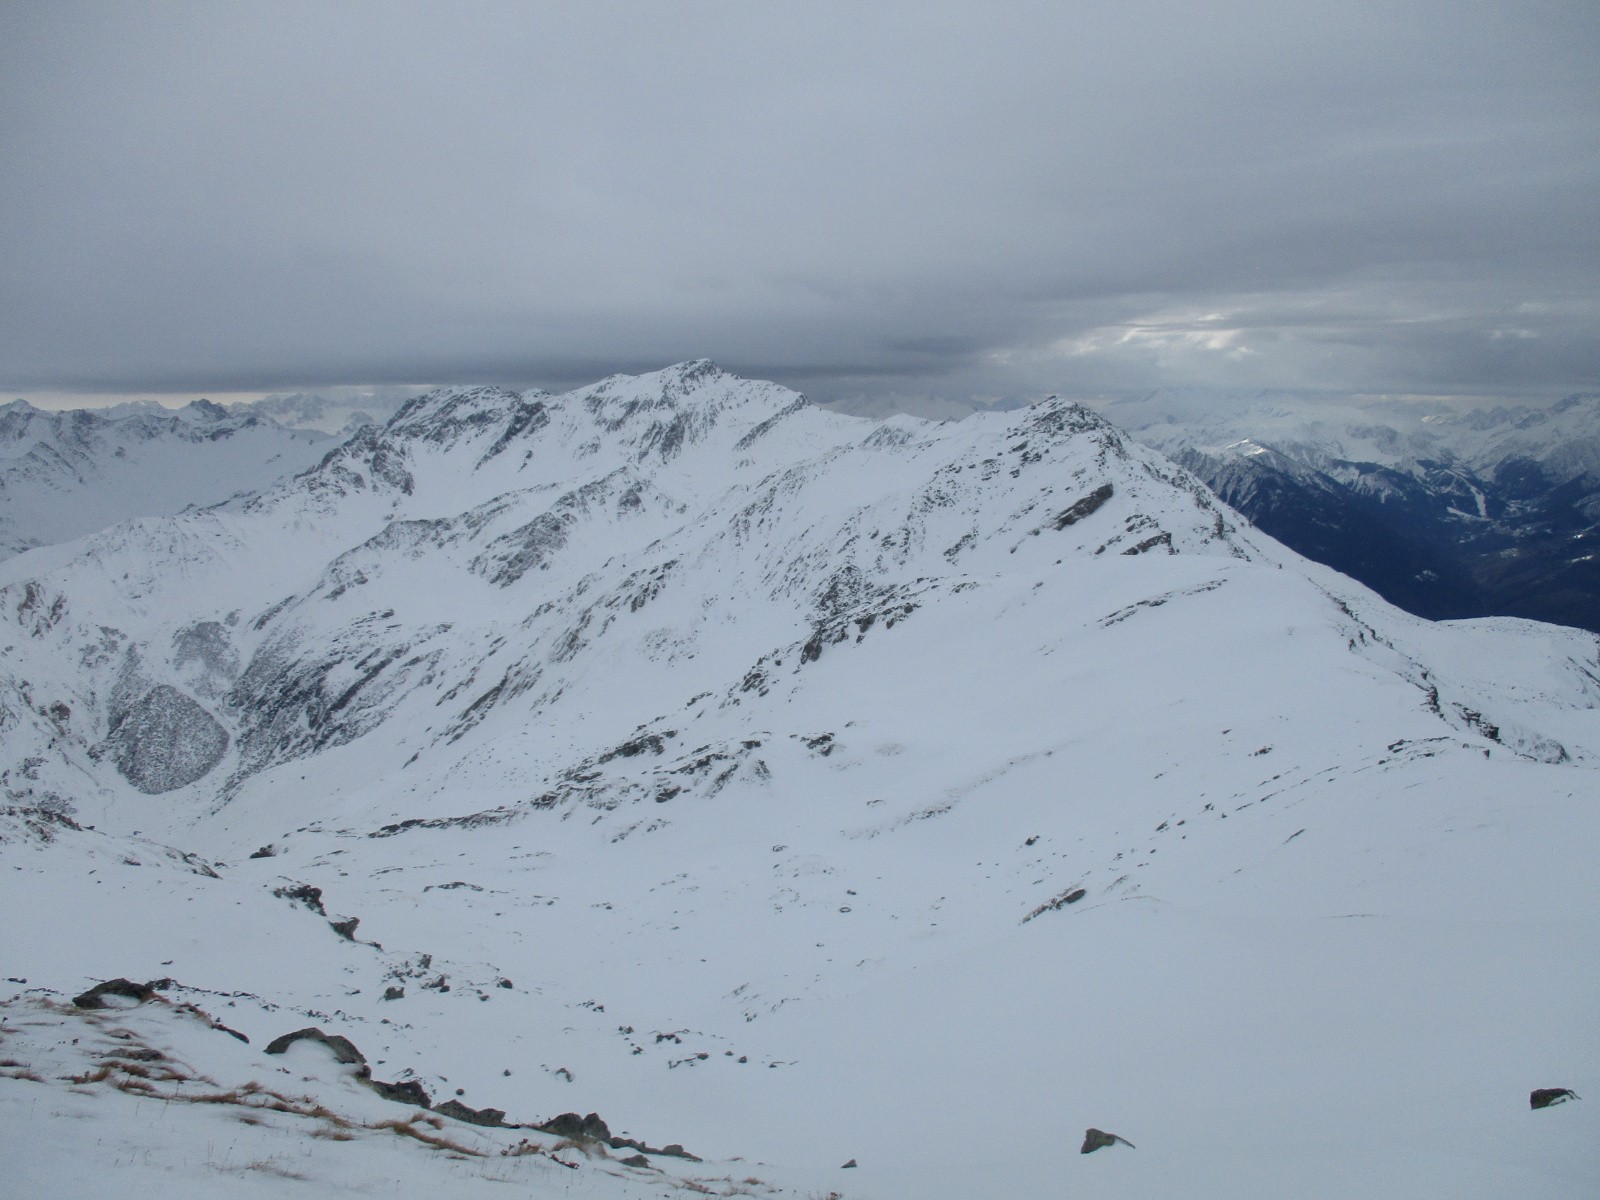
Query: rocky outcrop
x=571, y=1125
x=344, y=1050
x=592, y=1129
x=165, y=741
x=302, y=893
x=407, y=1092
x=493, y=1118
x=119, y=989
x=1089, y=505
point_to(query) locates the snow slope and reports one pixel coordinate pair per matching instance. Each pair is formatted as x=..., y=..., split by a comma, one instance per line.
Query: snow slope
x=807, y=789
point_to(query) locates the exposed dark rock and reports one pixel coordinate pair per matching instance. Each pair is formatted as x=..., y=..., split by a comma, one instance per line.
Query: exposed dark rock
x=409, y=1092
x=125, y=988
x=493, y=816
x=1151, y=542
x=849, y=1165
x=1545, y=1097
x=493, y=1117
x=1070, y=896
x=346, y=467
x=346, y=928
x=651, y=742
x=302, y=893
x=1083, y=508
x=571, y=1125
x=43, y=823
x=394, y=992
x=165, y=741
x=289, y=704
x=812, y=650
x=635, y=1160
x=267, y=851
x=1098, y=1139
x=671, y=1151
x=527, y=418
x=205, y=649
x=344, y=1050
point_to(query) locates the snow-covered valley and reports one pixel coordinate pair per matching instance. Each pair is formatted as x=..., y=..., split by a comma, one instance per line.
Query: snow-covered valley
x=799, y=788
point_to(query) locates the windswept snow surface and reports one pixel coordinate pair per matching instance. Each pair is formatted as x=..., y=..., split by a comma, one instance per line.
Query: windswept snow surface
x=798, y=788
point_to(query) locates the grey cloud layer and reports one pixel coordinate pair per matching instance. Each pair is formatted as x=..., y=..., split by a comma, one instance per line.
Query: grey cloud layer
x=1395, y=197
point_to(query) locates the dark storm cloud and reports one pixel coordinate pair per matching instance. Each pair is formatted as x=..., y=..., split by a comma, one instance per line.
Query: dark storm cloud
x=859, y=200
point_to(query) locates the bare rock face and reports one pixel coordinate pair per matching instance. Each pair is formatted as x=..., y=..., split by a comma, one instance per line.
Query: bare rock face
x=344, y=1050
x=123, y=993
x=495, y=1118
x=166, y=741
x=571, y=1125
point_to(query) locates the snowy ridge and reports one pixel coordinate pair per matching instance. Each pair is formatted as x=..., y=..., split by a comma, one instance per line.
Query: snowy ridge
x=801, y=786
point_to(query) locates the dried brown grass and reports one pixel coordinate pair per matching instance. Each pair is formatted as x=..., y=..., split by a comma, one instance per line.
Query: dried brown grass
x=406, y=1128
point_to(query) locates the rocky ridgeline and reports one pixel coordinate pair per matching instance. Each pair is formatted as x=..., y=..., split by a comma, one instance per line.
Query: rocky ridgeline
x=584, y=516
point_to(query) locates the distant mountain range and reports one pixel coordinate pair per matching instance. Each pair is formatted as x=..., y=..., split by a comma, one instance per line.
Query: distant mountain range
x=1445, y=511
x=67, y=474
x=340, y=411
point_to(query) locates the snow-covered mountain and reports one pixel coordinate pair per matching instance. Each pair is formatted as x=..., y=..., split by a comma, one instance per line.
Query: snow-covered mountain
x=797, y=787
x=67, y=474
x=340, y=410
x=1447, y=511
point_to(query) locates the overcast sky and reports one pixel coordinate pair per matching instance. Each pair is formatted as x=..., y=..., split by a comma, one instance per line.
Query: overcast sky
x=866, y=200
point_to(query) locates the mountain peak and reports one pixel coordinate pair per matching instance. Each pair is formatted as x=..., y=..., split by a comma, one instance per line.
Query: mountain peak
x=662, y=411
x=203, y=409
x=446, y=413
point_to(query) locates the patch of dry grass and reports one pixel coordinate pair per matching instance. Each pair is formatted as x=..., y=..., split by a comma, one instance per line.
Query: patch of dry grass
x=407, y=1128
